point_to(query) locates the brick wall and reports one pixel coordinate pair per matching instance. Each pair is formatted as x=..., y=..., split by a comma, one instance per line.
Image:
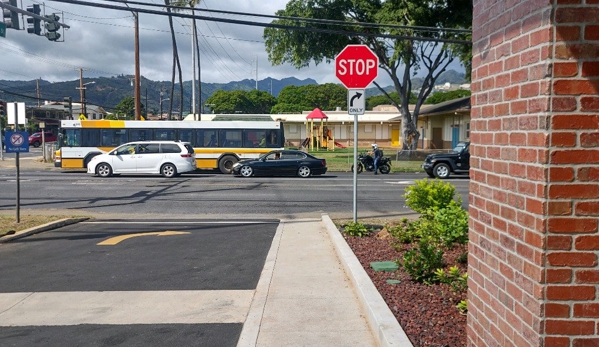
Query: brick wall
x=534, y=193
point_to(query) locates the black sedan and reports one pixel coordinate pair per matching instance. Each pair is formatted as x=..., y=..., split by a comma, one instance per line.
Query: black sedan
x=281, y=163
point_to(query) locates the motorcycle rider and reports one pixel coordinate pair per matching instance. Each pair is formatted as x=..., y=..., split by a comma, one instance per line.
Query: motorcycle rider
x=377, y=154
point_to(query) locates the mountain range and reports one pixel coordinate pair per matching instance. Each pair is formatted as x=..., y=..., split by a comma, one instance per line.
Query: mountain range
x=107, y=92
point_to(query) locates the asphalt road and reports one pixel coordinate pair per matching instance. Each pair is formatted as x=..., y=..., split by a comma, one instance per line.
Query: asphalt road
x=213, y=195
x=132, y=283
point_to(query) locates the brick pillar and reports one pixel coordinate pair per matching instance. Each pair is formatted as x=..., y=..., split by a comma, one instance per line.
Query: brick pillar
x=534, y=191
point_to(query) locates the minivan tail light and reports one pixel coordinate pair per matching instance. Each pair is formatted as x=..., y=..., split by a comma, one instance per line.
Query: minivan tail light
x=186, y=155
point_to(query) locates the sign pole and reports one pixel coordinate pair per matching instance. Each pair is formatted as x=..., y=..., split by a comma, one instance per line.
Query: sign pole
x=355, y=168
x=18, y=207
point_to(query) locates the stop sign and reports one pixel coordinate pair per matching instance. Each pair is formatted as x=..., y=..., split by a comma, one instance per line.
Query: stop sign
x=356, y=66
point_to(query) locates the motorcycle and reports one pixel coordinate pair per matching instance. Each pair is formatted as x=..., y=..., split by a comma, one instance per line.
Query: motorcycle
x=366, y=162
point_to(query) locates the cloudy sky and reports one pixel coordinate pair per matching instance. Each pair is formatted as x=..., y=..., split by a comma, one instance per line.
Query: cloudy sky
x=101, y=41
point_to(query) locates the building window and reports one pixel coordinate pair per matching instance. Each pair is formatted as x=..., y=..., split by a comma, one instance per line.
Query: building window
x=293, y=128
x=468, y=130
x=367, y=128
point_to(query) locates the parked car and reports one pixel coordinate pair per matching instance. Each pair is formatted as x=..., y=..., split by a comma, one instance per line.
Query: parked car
x=168, y=158
x=35, y=139
x=281, y=163
x=441, y=165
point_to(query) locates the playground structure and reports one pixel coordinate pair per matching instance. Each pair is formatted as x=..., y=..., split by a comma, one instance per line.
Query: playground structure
x=319, y=135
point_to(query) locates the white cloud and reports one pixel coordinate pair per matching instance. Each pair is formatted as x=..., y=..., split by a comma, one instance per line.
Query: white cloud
x=101, y=41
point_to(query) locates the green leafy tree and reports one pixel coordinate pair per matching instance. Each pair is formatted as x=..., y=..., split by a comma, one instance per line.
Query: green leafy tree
x=439, y=97
x=400, y=59
x=241, y=101
x=296, y=99
x=381, y=99
x=126, y=108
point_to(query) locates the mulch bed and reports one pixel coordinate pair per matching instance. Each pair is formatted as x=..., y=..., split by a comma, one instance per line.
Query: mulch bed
x=427, y=313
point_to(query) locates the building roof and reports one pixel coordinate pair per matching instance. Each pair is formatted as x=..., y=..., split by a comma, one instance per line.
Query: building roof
x=317, y=114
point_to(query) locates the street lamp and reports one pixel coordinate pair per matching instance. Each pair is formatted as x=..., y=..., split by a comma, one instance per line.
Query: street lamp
x=161, y=100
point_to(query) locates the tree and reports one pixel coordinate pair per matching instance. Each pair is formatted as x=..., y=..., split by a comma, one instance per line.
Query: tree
x=407, y=18
x=176, y=64
x=241, y=101
x=439, y=97
x=296, y=99
x=382, y=99
x=126, y=108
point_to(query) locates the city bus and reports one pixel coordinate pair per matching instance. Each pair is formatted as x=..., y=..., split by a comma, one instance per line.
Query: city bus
x=217, y=144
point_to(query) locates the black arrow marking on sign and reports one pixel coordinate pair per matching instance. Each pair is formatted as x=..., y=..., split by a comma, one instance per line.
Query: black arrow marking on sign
x=357, y=96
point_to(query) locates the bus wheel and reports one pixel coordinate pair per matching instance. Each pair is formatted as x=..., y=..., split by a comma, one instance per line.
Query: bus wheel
x=226, y=164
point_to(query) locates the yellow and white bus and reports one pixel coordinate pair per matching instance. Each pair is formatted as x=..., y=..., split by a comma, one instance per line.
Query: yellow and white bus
x=217, y=144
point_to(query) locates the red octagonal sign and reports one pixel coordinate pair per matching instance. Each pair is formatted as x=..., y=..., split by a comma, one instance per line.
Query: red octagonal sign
x=356, y=66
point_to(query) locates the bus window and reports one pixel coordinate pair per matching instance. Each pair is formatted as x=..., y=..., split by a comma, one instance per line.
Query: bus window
x=71, y=138
x=139, y=135
x=186, y=135
x=230, y=138
x=164, y=134
x=271, y=139
x=206, y=138
x=254, y=138
x=90, y=137
x=113, y=137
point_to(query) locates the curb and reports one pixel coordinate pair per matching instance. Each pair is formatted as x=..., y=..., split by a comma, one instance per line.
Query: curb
x=382, y=322
x=41, y=228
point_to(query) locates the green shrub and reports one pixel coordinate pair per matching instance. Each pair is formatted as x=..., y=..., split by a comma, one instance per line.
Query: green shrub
x=420, y=263
x=429, y=194
x=356, y=229
x=405, y=233
x=462, y=306
x=463, y=258
x=457, y=281
x=450, y=223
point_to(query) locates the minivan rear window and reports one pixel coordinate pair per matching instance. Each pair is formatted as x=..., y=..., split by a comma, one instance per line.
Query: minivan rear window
x=170, y=148
x=189, y=149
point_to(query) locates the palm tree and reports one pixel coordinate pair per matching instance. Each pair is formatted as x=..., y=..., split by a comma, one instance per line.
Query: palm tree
x=176, y=63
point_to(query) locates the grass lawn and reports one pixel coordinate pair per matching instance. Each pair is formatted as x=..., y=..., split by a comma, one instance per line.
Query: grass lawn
x=341, y=159
x=8, y=223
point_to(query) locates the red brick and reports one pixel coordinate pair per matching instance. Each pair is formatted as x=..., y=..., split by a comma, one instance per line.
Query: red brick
x=586, y=310
x=592, y=342
x=557, y=310
x=555, y=341
x=576, y=191
x=587, y=276
x=589, y=140
x=575, y=121
x=587, y=174
x=564, y=104
x=574, y=156
x=590, y=69
x=563, y=139
x=566, y=327
x=559, y=242
x=591, y=32
x=590, y=103
x=587, y=242
x=587, y=208
x=575, y=87
x=561, y=174
x=572, y=225
x=565, y=69
x=574, y=259
x=559, y=276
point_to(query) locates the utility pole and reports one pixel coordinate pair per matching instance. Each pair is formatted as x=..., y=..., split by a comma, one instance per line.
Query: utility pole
x=137, y=77
x=193, y=68
x=256, y=72
x=81, y=92
x=37, y=88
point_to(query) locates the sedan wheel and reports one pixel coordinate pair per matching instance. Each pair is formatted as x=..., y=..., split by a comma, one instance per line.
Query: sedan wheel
x=246, y=171
x=103, y=170
x=441, y=170
x=304, y=171
x=168, y=170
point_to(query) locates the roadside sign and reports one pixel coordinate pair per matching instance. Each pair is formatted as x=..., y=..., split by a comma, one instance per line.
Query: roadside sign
x=15, y=113
x=356, y=101
x=356, y=66
x=16, y=141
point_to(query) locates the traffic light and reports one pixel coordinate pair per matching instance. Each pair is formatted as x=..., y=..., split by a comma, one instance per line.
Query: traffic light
x=11, y=18
x=2, y=108
x=68, y=106
x=52, y=27
x=34, y=26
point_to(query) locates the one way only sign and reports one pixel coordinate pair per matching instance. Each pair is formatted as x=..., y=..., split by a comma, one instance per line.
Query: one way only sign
x=356, y=101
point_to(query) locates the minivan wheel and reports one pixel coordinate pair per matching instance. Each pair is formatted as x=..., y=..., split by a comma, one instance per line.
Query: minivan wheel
x=168, y=170
x=441, y=170
x=226, y=164
x=103, y=170
x=36, y=144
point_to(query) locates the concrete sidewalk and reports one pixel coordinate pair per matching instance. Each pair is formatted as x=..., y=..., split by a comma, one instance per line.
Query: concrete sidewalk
x=314, y=292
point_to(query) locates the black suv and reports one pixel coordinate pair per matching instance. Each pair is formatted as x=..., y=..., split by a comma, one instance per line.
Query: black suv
x=443, y=164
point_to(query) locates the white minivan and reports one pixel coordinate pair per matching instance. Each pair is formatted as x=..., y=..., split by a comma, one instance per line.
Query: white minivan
x=168, y=158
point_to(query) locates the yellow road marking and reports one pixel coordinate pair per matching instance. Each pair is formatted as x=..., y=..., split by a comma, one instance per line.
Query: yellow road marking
x=114, y=240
